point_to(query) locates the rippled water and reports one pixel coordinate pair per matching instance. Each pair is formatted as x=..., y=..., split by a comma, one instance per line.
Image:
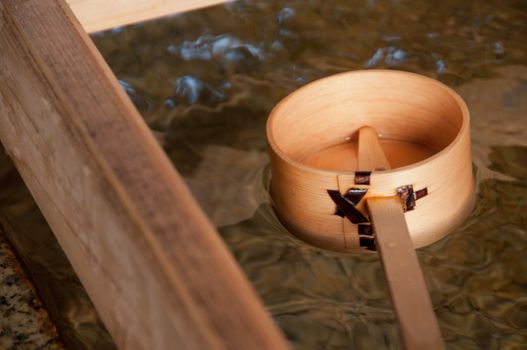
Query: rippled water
x=205, y=83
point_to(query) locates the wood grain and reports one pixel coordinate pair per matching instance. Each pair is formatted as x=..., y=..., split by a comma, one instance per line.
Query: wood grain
x=413, y=308
x=97, y=15
x=415, y=314
x=371, y=157
x=157, y=271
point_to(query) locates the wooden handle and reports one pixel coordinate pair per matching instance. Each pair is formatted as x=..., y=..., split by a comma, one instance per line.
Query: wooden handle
x=371, y=155
x=418, y=325
x=417, y=322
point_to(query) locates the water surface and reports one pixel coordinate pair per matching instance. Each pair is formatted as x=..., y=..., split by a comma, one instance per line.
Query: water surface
x=206, y=82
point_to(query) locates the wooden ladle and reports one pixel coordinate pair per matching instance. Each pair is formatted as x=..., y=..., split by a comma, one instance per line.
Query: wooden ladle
x=334, y=192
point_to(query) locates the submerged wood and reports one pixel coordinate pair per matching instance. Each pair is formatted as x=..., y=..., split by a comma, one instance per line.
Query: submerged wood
x=97, y=15
x=157, y=271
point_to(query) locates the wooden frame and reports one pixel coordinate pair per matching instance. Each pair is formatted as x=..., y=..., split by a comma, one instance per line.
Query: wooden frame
x=96, y=15
x=157, y=271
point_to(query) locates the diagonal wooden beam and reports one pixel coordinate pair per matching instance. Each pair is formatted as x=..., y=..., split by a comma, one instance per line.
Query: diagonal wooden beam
x=96, y=15
x=157, y=271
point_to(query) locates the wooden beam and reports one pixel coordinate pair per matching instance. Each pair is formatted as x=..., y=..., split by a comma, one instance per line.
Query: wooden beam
x=97, y=15
x=157, y=271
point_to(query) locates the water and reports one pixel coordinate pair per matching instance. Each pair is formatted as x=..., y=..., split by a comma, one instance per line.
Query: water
x=205, y=83
x=343, y=156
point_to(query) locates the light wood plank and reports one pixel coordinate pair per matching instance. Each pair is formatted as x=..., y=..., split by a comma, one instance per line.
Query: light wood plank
x=97, y=15
x=415, y=314
x=156, y=270
x=418, y=326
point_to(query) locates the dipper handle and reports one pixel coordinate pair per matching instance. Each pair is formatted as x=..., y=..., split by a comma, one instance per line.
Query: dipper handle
x=411, y=301
x=371, y=156
x=417, y=322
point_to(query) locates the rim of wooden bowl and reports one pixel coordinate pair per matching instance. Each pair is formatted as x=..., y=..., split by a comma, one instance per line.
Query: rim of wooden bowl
x=465, y=121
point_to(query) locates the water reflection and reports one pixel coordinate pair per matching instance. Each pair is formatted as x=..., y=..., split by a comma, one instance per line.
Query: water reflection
x=389, y=56
x=193, y=90
x=206, y=47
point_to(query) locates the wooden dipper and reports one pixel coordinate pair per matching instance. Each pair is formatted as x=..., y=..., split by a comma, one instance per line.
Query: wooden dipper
x=337, y=186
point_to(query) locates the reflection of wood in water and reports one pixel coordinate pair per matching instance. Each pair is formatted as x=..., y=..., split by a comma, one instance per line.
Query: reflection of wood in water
x=343, y=156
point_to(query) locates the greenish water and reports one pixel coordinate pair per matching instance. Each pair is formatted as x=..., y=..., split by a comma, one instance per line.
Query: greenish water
x=205, y=83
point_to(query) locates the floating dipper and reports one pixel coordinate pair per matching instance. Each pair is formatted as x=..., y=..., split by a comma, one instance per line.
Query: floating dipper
x=338, y=186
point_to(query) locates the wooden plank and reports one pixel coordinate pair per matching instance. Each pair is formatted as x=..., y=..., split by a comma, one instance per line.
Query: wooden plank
x=156, y=270
x=97, y=15
x=415, y=315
